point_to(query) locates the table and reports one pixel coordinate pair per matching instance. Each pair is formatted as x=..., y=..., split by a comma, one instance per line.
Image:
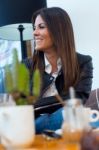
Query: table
x=55, y=144
x=40, y=143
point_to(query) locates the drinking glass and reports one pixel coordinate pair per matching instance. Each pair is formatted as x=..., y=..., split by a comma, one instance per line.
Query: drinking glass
x=75, y=123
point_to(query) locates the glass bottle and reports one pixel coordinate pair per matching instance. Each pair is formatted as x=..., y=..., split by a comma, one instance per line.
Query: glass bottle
x=75, y=121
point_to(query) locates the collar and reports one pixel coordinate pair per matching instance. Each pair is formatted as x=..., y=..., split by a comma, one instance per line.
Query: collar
x=48, y=66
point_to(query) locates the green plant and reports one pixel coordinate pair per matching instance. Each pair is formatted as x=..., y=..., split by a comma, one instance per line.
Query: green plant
x=17, y=80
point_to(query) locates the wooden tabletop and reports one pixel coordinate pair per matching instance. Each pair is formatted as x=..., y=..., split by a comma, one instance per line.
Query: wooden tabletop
x=54, y=144
x=41, y=143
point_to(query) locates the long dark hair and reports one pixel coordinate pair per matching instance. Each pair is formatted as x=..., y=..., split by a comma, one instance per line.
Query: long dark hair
x=60, y=28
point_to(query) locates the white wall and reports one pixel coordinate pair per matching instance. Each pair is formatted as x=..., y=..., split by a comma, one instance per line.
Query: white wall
x=85, y=19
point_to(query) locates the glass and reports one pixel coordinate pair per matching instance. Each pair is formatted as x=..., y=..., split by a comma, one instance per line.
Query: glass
x=75, y=123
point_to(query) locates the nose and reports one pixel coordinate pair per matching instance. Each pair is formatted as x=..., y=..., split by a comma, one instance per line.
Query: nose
x=36, y=32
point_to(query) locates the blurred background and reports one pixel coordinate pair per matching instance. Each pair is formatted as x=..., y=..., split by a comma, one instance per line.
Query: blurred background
x=84, y=16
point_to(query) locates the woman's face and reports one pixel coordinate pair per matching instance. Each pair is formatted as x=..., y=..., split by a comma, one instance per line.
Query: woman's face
x=43, y=41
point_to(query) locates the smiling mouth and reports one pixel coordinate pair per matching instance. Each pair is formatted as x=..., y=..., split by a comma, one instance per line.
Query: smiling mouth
x=38, y=40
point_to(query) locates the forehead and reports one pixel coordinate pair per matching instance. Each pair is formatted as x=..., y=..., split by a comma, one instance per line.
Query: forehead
x=39, y=20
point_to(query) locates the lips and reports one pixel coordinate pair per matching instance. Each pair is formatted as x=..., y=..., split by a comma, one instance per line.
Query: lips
x=38, y=40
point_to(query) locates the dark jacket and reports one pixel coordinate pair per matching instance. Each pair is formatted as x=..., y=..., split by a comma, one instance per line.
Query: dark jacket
x=82, y=88
x=93, y=100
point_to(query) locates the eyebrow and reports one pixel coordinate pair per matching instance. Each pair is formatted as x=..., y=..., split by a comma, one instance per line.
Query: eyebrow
x=43, y=23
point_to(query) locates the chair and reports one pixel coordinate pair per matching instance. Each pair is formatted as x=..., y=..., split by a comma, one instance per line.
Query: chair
x=93, y=100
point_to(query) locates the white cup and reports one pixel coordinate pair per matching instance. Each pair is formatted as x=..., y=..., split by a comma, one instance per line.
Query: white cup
x=17, y=127
x=94, y=115
x=87, y=115
x=91, y=114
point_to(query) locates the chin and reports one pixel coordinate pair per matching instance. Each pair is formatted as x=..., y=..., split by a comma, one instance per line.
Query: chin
x=38, y=49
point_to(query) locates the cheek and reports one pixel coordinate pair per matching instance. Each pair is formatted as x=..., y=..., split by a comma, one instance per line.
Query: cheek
x=50, y=42
x=48, y=38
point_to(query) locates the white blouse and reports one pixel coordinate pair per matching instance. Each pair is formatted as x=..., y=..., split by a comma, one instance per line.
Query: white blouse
x=51, y=91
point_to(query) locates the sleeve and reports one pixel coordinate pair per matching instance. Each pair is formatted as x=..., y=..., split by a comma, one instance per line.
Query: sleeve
x=84, y=85
x=82, y=89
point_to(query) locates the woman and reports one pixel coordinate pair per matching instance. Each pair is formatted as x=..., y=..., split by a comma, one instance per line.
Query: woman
x=60, y=66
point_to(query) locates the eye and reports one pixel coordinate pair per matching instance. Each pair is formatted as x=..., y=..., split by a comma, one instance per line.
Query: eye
x=42, y=26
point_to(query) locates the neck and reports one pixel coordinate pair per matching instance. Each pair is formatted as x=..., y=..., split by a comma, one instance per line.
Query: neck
x=52, y=58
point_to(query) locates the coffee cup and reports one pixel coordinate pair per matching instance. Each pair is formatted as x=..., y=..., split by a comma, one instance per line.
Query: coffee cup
x=17, y=127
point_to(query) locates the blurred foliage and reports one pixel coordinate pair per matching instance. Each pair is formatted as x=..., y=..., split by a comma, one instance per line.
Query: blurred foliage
x=17, y=80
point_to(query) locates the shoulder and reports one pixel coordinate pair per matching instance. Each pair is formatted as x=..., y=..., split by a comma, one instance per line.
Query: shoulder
x=84, y=59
